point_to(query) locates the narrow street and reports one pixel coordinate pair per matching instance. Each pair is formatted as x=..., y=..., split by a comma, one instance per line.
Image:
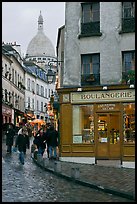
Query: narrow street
x=29, y=183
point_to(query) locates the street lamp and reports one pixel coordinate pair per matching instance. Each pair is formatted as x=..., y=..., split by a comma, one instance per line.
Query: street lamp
x=50, y=76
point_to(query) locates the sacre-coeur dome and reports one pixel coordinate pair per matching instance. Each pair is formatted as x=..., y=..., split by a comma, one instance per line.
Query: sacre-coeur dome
x=40, y=45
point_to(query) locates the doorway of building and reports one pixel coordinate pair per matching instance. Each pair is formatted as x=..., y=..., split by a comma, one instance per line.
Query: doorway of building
x=108, y=136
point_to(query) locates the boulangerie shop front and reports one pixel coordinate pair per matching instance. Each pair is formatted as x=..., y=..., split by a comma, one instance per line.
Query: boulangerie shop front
x=96, y=125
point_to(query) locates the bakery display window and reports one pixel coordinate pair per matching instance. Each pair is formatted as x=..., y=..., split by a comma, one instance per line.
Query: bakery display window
x=129, y=122
x=83, y=124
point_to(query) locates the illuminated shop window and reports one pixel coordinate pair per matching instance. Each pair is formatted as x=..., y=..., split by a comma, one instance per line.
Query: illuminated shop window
x=129, y=122
x=83, y=124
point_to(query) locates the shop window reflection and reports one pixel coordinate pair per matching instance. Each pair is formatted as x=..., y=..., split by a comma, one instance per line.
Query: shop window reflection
x=129, y=123
x=83, y=124
x=102, y=128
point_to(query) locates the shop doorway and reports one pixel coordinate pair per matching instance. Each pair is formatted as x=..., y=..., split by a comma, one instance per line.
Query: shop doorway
x=108, y=136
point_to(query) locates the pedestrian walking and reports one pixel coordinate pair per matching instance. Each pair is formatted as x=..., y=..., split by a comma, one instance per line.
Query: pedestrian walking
x=52, y=140
x=22, y=142
x=46, y=137
x=40, y=142
x=10, y=133
x=20, y=128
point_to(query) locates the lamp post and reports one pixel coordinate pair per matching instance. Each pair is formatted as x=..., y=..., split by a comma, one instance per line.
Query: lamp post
x=54, y=99
x=50, y=76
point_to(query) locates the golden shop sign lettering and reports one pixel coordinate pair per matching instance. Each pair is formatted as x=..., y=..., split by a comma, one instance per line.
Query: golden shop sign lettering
x=103, y=96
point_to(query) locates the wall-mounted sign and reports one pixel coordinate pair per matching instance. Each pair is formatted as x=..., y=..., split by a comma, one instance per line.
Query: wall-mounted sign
x=77, y=139
x=103, y=96
x=65, y=97
x=108, y=106
x=103, y=139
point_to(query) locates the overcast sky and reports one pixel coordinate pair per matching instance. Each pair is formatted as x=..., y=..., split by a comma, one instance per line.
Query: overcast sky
x=20, y=21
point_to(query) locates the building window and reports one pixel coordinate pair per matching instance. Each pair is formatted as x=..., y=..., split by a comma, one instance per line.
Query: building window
x=28, y=84
x=128, y=9
x=42, y=91
x=15, y=78
x=90, y=69
x=13, y=75
x=28, y=102
x=9, y=97
x=83, y=124
x=45, y=93
x=37, y=105
x=33, y=103
x=41, y=106
x=49, y=93
x=16, y=101
x=6, y=95
x=128, y=67
x=18, y=79
x=128, y=16
x=6, y=68
x=90, y=24
x=32, y=87
x=90, y=12
x=129, y=123
x=37, y=89
x=13, y=98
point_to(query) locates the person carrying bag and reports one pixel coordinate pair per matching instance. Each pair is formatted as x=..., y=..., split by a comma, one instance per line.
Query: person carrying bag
x=22, y=142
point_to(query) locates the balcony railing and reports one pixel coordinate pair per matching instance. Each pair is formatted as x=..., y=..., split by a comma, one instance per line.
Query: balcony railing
x=90, y=79
x=90, y=29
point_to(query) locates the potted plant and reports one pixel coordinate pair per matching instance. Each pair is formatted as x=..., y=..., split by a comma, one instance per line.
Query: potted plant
x=131, y=76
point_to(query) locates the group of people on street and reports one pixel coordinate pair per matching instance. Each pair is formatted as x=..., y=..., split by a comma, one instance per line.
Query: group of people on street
x=48, y=139
x=44, y=139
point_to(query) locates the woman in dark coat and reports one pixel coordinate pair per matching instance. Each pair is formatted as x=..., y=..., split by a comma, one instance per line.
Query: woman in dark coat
x=22, y=142
x=10, y=133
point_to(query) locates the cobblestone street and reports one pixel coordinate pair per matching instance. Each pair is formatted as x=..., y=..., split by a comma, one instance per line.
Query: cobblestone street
x=30, y=183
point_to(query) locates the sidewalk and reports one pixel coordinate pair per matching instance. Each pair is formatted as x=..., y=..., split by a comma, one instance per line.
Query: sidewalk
x=112, y=180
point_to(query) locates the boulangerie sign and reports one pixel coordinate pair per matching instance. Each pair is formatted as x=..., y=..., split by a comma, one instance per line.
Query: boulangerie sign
x=103, y=96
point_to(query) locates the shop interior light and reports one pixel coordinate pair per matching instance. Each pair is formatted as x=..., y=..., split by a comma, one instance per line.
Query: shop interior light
x=79, y=89
x=131, y=86
x=105, y=87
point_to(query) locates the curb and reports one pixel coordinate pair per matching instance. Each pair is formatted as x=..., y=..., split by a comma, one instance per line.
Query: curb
x=87, y=184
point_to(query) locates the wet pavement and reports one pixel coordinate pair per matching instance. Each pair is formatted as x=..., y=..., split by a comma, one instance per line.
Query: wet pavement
x=114, y=180
x=57, y=181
